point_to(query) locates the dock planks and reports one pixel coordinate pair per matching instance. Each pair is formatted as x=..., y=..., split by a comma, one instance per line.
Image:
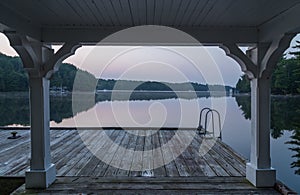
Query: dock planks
x=73, y=158
x=139, y=185
x=218, y=170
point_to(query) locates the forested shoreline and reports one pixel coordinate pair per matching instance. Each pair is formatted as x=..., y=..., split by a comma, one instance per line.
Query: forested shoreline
x=13, y=77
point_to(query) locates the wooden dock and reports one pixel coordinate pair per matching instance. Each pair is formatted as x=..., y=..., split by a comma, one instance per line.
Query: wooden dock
x=219, y=170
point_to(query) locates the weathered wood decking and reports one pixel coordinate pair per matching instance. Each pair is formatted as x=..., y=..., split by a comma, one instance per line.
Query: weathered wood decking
x=72, y=157
x=219, y=170
x=161, y=185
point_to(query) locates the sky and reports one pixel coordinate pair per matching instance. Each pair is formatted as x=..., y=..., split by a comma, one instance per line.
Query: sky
x=169, y=64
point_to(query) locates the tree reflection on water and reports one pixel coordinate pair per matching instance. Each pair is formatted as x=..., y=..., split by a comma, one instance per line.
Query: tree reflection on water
x=14, y=110
x=285, y=116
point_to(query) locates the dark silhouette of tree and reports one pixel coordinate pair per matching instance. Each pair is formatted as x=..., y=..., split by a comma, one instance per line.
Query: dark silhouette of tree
x=13, y=77
x=244, y=103
x=297, y=52
x=243, y=84
x=296, y=71
x=112, y=84
x=295, y=142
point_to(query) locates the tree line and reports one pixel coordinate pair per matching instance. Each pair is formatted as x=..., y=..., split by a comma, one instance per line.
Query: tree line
x=112, y=84
x=13, y=77
x=285, y=79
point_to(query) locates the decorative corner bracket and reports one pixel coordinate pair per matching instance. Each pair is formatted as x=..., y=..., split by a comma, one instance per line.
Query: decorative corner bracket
x=38, y=58
x=247, y=65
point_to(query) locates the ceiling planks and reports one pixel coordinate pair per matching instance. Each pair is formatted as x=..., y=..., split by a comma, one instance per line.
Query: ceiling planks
x=215, y=15
x=150, y=4
x=89, y=16
x=74, y=14
x=142, y=11
x=134, y=11
x=189, y=11
x=149, y=12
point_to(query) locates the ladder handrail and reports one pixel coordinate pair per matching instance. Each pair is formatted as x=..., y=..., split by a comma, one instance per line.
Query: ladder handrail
x=219, y=116
x=212, y=111
x=200, y=119
x=212, y=119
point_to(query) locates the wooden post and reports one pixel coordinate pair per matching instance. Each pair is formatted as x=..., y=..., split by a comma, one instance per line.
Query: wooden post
x=258, y=63
x=42, y=172
x=40, y=62
x=259, y=171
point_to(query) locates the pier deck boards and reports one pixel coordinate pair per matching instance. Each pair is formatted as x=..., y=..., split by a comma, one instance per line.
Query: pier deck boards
x=220, y=170
x=72, y=157
x=160, y=185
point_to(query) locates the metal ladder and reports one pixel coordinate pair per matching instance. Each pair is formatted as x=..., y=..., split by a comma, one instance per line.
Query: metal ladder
x=203, y=130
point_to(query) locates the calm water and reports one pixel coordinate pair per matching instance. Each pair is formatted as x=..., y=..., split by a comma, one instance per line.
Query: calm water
x=164, y=109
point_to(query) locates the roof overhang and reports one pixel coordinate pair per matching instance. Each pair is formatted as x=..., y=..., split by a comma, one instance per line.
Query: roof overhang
x=210, y=22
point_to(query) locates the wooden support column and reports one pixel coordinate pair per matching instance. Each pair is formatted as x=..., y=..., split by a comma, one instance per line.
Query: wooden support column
x=259, y=64
x=265, y=55
x=259, y=171
x=39, y=60
x=42, y=172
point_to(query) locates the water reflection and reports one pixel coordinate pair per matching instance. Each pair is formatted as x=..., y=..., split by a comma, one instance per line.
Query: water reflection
x=14, y=107
x=14, y=110
x=285, y=121
x=114, y=109
x=285, y=117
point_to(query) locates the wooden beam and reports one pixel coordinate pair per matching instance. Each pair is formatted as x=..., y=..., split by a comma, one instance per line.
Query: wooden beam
x=11, y=21
x=149, y=35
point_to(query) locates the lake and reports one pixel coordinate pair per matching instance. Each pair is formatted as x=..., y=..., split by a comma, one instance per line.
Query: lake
x=144, y=109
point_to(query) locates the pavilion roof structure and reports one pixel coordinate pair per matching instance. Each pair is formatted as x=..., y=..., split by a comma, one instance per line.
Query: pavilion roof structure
x=90, y=20
x=267, y=26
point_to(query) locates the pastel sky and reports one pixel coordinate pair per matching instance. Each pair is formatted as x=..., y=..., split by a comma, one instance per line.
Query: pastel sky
x=171, y=64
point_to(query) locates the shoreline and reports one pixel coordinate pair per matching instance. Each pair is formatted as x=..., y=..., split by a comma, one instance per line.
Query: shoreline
x=25, y=93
